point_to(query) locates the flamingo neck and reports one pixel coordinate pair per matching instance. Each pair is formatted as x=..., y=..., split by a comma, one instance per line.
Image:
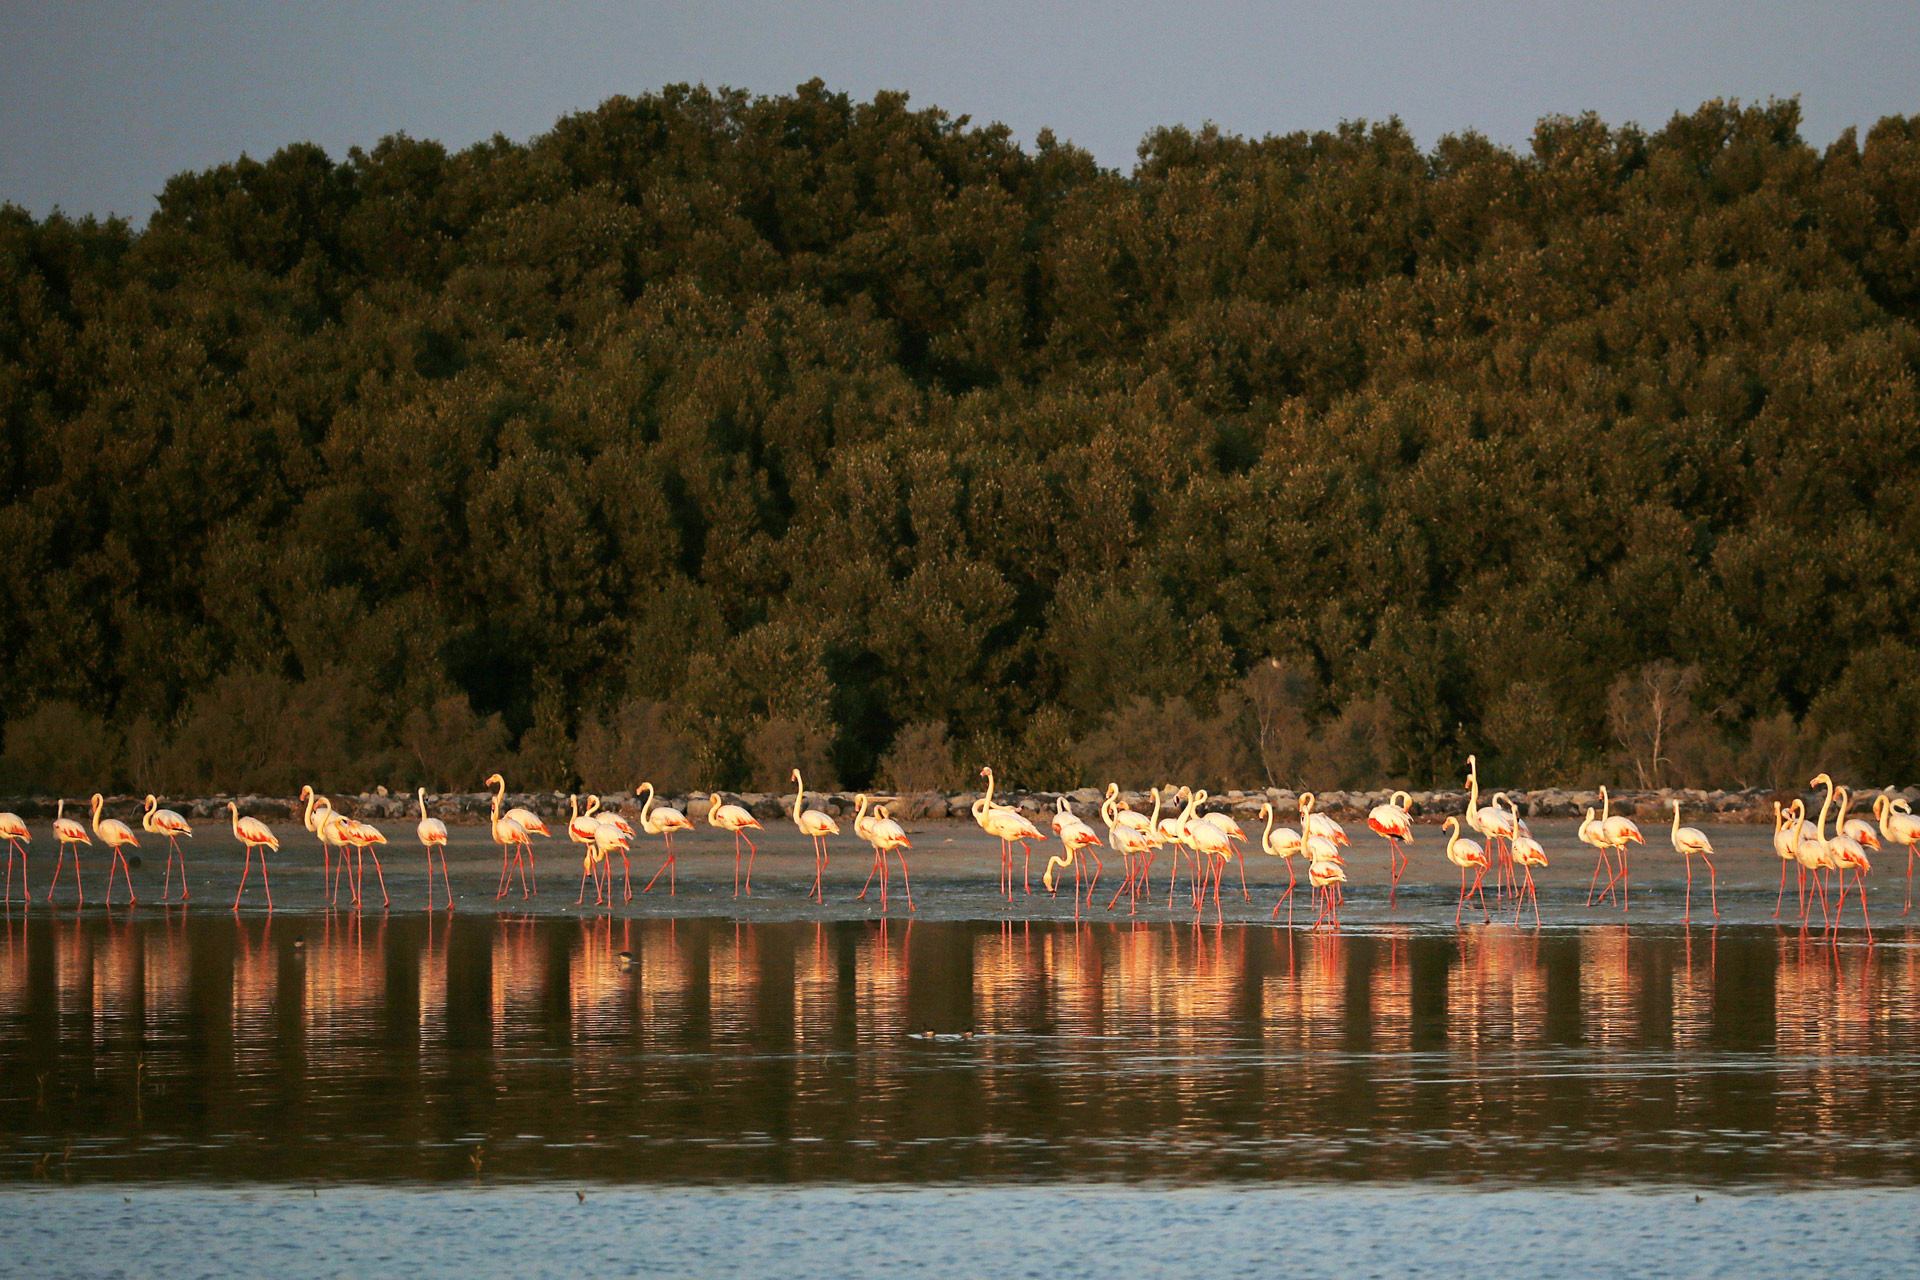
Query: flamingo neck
x=1676, y=821
x=234, y=810
x=1820, y=828
x=1604, y=803
x=647, y=808
x=423, y=804
x=989, y=773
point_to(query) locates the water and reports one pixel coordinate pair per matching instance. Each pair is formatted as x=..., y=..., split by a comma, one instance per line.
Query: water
x=322, y=1093
x=199, y=1049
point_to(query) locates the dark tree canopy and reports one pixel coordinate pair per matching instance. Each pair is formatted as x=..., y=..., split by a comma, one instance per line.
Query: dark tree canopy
x=711, y=431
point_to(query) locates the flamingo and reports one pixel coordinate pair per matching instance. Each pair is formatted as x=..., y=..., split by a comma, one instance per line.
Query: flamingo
x=607, y=839
x=1281, y=842
x=627, y=836
x=1786, y=839
x=1619, y=831
x=1490, y=822
x=333, y=829
x=1172, y=830
x=70, y=833
x=581, y=829
x=1527, y=854
x=1209, y=840
x=1075, y=836
x=863, y=830
x=529, y=877
x=13, y=829
x=1321, y=852
x=433, y=834
x=1811, y=851
x=117, y=835
x=1688, y=841
x=254, y=834
x=165, y=822
x=890, y=835
x=1394, y=823
x=1326, y=879
x=313, y=801
x=662, y=820
x=734, y=818
x=1593, y=831
x=1898, y=828
x=510, y=836
x=1232, y=831
x=363, y=836
x=1007, y=826
x=1844, y=853
x=1133, y=843
x=817, y=825
x=1466, y=854
x=1144, y=840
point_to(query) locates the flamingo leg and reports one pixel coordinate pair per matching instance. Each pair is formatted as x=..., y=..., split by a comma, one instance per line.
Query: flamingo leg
x=1286, y=897
x=1245, y=892
x=505, y=874
x=377, y=871
x=186, y=894
x=586, y=864
x=736, y=864
x=871, y=872
x=1602, y=861
x=1098, y=867
x=1686, y=914
x=752, y=851
x=1780, y=898
x=1909, y=905
x=58, y=860
x=1862, y=881
x=1026, y=866
x=244, y=869
x=1713, y=886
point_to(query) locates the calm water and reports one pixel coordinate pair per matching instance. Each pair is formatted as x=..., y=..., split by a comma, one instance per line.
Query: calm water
x=487, y=1052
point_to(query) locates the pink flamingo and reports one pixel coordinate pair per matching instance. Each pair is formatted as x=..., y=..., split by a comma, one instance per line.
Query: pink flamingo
x=1236, y=836
x=1845, y=853
x=14, y=831
x=1468, y=856
x=1527, y=854
x=1688, y=841
x=890, y=836
x=512, y=838
x=363, y=836
x=1076, y=837
x=1008, y=826
x=314, y=802
x=70, y=833
x=165, y=822
x=117, y=836
x=662, y=820
x=1284, y=843
x=1786, y=839
x=529, y=879
x=1134, y=843
x=818, y=826
x=734, y=818
x=1619, y=832
x=254, y=834
x=627, y=837
x=1593, y=831
x=1392, y=822
x=1898, y=827
x=433, y=834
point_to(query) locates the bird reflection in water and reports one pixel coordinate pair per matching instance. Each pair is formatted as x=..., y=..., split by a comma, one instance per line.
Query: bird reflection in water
x=181, y=1046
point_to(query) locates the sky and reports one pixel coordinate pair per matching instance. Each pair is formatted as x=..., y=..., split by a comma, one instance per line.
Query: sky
x=101, y=102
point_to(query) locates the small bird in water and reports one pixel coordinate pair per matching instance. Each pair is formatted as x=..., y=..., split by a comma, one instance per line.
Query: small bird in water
x=626, y=959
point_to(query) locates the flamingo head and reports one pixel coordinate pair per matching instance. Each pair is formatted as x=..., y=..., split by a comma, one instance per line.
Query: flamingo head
x=495, y=780
x=306, y=791
x=1821, y=780
x=794, y=776
x=152, y=802
x=1266, y=810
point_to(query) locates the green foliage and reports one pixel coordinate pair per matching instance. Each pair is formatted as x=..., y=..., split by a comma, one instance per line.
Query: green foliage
x=710, y=434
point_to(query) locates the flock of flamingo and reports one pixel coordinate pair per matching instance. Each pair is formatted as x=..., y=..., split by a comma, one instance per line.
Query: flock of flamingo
x=1207, y=842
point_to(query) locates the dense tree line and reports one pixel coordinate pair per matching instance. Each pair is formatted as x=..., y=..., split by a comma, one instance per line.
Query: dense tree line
x=710, y=433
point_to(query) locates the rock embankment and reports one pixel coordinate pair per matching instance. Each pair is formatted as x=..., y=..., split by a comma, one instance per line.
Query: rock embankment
x=472, y=808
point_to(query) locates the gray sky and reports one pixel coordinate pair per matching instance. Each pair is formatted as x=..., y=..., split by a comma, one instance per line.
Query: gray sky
x=101, y=102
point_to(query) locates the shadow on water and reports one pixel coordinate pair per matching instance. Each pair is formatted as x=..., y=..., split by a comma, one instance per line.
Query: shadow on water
x=410, y=1050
